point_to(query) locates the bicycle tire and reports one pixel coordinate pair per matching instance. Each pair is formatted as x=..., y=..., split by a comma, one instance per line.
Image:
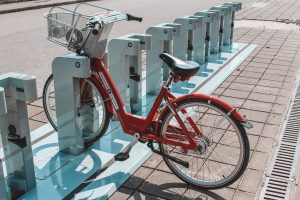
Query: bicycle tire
x=50, y=111
x=204, y=184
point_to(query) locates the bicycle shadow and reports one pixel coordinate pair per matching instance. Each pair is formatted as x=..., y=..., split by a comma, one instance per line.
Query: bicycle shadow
x=150, y=191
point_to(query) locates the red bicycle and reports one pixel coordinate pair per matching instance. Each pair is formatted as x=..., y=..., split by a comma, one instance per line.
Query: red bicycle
x=201, y=138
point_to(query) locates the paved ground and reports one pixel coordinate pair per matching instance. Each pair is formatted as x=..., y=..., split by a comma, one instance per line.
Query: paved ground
x=35, y=4
x=272, y=10
x=260, y=88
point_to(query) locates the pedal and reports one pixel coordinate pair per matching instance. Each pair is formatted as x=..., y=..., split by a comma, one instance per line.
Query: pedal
x=181, y=162
x=122, y=156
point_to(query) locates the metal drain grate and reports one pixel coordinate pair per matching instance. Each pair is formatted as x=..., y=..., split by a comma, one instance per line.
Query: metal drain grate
x=282, y=171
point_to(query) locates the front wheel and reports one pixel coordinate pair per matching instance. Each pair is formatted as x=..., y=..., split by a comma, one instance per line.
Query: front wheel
x=222, y=153
x=92, y=114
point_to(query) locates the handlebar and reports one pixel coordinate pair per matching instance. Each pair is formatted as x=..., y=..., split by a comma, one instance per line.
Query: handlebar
x=96, y=25
x=133, y=18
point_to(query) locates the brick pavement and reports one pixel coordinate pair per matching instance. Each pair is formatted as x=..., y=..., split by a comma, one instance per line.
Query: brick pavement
x=272, y=10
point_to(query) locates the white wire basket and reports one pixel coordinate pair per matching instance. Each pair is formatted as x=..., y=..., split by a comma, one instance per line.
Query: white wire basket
x=69, y=28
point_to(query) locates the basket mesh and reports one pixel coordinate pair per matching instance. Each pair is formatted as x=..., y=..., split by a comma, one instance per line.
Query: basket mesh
x=67, y=29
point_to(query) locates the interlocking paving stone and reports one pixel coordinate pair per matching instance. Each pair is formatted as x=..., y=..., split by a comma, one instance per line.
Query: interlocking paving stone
x=169, y=187
x=271, y=77
x=231, y=78
x=33, y=125
x=245, y=80
x=143, y=196
x=38, y=102
x=34, y=110
x=163, y=167
x=257, y=128
x=259, y=106
x=285, y=92
x=266, y=90
x=270, y=131
x=265, y=144
x=138, y=178
x=282, y=100
x=40, y=117
x=254, y=69
x=251, y=181
x=256, y=116
x=261, y=60
x=241, y=86
x=225, y=84
x=259, y=161
x=240, y=195
x=153, y=161
x=287, y=85
x=236, y=102
x=218, y=91
x=236, y=184
x=273, y=84
x=251, y=74
x=280, y=71
x=253, y=139
x=225, y=193
x=236, y=93
x=121, y=193
x=275, y=119
x=262, y=97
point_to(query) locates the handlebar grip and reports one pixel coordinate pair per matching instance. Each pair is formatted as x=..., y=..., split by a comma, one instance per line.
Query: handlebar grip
x=96, y=28
x=134, y=18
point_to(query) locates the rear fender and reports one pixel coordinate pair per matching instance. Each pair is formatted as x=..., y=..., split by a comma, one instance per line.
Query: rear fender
x=230, y=109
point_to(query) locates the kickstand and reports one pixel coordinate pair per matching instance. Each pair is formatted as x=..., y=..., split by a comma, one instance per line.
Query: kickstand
x=124, y=154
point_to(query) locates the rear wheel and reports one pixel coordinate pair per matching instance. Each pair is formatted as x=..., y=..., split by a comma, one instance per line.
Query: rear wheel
x=223, y=148
x=92, y=117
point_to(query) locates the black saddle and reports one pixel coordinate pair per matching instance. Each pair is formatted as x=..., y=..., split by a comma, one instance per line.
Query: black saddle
x=179, y=67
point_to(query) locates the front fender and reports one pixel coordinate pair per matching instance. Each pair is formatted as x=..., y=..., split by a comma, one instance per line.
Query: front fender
x=209, y=99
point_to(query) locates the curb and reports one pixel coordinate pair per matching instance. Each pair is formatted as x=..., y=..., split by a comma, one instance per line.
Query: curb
x=41, y=6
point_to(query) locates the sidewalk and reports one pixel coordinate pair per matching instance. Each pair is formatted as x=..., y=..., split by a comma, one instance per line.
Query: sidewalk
x=261, y=88
x=30, y=5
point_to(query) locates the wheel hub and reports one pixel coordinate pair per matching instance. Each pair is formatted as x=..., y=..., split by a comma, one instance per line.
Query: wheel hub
x=202, y=144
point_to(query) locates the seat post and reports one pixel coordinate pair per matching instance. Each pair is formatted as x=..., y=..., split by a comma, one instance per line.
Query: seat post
x=168, y=82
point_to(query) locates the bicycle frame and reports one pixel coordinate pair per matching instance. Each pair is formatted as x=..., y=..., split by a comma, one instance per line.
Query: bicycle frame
x=132, y=124
x=147, y=127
